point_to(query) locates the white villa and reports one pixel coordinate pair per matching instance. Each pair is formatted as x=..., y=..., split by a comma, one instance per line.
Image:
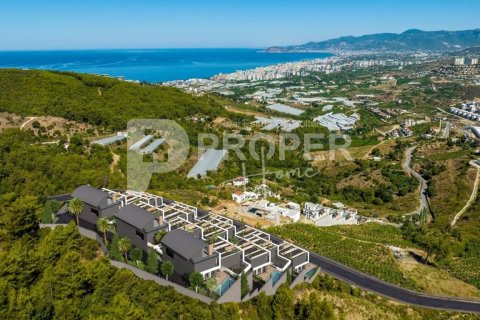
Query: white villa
x=325, y=216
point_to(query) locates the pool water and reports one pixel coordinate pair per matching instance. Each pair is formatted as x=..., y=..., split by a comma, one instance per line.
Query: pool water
x=276, y=275
x=224, y=286
x=310, y=273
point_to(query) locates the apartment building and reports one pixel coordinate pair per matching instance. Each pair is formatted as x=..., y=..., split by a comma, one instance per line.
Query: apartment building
x=213, y=245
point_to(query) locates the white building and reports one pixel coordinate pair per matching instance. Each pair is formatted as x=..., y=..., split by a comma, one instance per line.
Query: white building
x=240, y=197
x=459, y=61
x=471, y=61
x=324, y=216
x=273, y=211
x=240, y=181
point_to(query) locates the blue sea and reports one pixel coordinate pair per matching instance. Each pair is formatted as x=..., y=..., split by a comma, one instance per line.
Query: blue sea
x=152, y=65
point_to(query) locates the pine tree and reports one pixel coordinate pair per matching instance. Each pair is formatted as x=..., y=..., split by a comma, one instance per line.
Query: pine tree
x=21, y=217
x=283, y=306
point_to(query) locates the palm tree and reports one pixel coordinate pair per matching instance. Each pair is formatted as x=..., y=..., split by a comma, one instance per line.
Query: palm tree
x=124, y=245
x=103, y=225
x=159, y=235
x=75, y=207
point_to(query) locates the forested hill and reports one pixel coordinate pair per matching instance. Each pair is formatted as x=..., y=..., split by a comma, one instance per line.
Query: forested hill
x=410, y=40
x=97, y=100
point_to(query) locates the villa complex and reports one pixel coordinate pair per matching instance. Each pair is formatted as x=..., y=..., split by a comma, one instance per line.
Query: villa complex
x=198, y=241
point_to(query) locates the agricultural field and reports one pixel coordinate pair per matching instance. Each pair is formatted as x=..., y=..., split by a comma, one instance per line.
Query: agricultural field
x=365, y=247
x=372, y=258
x=467, y=266
x=372, y=232
x=451, y=178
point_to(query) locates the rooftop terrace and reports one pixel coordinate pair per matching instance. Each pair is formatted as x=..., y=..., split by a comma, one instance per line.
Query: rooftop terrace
x=227, y=237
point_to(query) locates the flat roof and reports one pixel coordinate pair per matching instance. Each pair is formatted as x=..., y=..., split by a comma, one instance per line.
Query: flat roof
x=229, y=237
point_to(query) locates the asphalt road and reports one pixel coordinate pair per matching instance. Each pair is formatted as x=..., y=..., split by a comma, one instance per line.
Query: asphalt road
x=369, y=283
x=372, y=284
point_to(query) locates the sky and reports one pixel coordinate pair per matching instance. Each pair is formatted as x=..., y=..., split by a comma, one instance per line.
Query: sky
x=106, y=24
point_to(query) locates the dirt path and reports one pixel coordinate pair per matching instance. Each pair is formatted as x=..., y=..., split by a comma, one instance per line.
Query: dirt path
x=423, y=183
x=395, y=127
x=373, y=147
x=30, y=119
x=473, y=196
x=246, y=112
x=114, y=163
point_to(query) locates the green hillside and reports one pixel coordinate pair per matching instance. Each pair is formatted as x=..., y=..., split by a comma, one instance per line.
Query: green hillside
x=57, y=274
x=96, y=100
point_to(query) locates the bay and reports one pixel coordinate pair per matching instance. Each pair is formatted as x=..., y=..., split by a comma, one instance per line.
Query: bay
x=151, y=65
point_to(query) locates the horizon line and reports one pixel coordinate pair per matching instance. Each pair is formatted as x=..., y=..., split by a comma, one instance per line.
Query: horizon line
x=237, y=47
x=146, y=49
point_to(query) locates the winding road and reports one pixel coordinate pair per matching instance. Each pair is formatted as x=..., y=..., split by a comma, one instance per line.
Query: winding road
x=388, y=290
x=367, y=282
x=423, y=183
x=380, y=287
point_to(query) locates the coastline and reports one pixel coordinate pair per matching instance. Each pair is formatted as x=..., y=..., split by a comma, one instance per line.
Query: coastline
x=151, y=65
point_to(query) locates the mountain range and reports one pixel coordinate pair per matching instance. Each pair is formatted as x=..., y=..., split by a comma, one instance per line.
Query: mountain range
x=410, y=40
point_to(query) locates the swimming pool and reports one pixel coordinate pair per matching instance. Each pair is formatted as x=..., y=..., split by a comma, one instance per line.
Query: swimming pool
x=224, y=286
x=310, y=273
x=276, y=275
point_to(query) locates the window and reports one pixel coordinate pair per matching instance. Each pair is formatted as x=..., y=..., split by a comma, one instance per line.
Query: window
x=169, y=252
x=139, y=234
x=94, y=211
